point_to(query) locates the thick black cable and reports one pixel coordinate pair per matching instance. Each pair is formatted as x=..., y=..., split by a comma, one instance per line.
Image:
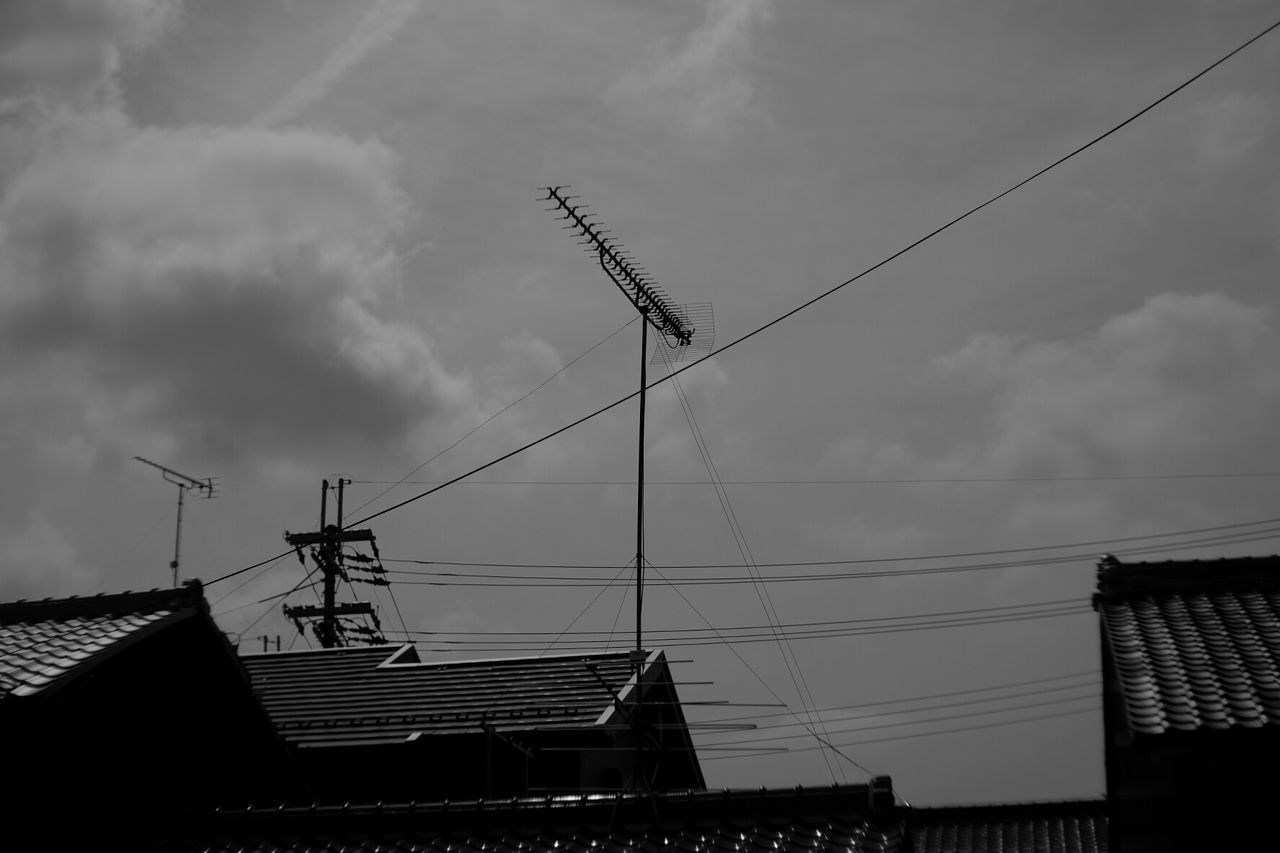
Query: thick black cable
x=909, y=247
x=899, y=253
x=501, y=411
x=243, y=584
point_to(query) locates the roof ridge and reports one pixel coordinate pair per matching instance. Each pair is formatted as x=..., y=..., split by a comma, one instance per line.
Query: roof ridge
x=1064, y=805
x=190, y=594
x=1118, y=579
x=392, y=648
x=562, y=801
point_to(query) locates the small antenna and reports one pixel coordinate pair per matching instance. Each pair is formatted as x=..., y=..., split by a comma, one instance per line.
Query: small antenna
x=206, y=488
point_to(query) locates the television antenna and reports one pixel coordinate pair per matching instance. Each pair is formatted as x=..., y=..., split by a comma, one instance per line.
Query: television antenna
x=687, y=331
x=206, y=488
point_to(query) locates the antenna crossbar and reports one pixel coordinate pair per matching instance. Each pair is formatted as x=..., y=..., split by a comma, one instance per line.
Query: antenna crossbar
x=640, y=289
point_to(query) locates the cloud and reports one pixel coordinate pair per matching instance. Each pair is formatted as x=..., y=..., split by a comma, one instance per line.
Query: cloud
x=40, y=560
x=703, y=88
x=1180, y=381
x=234, y=288
x=1183, y=383
x=377, y=27
x=71, y=48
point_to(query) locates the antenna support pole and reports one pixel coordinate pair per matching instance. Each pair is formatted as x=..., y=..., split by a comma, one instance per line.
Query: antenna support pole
x=637, y=658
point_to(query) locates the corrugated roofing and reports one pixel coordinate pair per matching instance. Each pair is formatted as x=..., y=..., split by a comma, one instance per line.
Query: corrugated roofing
x=43, y=642
x=384, y=694
x=1073, y=827
x=1194, y=645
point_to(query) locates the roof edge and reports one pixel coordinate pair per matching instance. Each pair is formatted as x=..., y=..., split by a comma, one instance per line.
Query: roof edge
x=842, y=799
x=189, y=595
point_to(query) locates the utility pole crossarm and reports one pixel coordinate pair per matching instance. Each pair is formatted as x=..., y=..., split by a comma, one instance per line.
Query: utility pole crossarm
x=356, y=608
x=299, y=540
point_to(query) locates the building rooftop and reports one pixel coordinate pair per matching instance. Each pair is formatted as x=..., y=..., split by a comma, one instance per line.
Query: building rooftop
x=385, y=694
x=46, y=643
x=1064, y=827
x=1194, y=644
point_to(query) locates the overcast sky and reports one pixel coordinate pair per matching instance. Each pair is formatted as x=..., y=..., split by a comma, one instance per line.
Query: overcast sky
x=277, y=241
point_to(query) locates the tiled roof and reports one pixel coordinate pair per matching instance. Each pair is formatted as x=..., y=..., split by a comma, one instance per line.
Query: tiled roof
x=1194, y=645
x=836, y=820
x=1068, y=827
x=43, y=643
x=380, y=694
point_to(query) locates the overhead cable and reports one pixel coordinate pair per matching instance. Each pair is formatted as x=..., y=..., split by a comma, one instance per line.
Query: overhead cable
x=806, y=304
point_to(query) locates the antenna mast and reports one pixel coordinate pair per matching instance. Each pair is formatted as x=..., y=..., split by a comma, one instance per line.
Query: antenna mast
x=673, y=323
x=206, y=488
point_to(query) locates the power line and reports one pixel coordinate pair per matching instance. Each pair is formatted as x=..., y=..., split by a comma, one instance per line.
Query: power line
x=396, y=605
x=821, y=740
x=913, y=735
x=1029, y=605
x=796, y=673
x=865, y=481
x=808, y=303
x=917, y=558
x=1092, y=687
x=562, y=581
x=945, y=718
x=903, y=700
x=513, y=645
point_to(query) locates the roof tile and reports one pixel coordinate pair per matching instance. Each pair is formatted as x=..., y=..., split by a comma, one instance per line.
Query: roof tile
x=1194, y=645
x=42, y=642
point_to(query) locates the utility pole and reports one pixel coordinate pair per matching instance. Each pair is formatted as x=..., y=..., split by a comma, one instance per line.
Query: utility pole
x=206, y=488
x=326, y=547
